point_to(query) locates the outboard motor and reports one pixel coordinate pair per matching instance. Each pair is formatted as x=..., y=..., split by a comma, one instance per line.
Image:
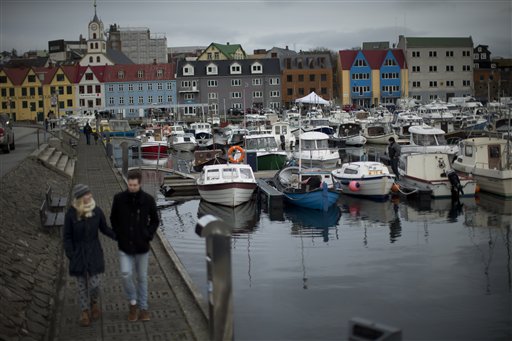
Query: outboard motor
x=457, y=189
x=283, y=142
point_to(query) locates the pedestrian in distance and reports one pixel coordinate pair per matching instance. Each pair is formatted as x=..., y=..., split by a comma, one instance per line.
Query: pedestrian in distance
x=46, y=124
x=83, y=249
x=134, y=218
x=394, y=155
x=88, y=132
x=96, y=136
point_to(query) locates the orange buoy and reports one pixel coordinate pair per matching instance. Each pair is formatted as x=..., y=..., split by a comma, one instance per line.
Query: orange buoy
x=354, y=186
x=395, y=187
x=232, y=151
x=477, y=188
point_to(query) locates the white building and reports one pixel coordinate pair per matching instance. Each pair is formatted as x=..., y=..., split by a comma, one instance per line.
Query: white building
x=439, y=67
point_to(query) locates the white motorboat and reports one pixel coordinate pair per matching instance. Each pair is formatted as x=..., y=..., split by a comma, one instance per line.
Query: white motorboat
x=426, y=139
x=433, y=172
x=318, y=124
x=268, y=154
x=365, y=179
x=315, y=151
x=283, y=134
x=378, y=134
x=203, y=134
x=403, y=121
x=350, y=134
x=184, y=143
x=488, y=160
x=228, y=185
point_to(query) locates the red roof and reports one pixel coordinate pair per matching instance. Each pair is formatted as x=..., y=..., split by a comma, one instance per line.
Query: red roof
x=49, y=73
x=131, y=71
x=375, y=58
x=16, y=75
x=71, y=72
x=99, y=72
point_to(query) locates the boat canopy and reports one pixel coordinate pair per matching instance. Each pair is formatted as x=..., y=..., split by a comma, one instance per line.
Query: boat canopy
x=312, y=98
x=314, y=135
x=426, y=130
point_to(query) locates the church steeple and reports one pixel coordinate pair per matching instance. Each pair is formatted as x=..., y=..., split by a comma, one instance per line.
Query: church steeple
x=95, y=19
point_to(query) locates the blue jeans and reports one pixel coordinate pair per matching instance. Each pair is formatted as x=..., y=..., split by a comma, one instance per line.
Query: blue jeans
x=140, y=262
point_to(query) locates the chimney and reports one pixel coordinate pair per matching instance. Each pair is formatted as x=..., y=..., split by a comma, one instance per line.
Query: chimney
x=286, y=47
x=154, y=61
x=227, y=43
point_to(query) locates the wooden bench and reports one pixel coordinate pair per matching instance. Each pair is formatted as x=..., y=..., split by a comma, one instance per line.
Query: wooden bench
x=50, y=219
x=55, y=203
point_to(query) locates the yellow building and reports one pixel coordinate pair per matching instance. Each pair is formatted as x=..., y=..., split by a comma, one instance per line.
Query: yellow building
x=29, y=94
x=222, y=52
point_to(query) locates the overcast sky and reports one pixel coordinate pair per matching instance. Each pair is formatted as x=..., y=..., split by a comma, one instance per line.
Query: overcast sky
x=336, y=24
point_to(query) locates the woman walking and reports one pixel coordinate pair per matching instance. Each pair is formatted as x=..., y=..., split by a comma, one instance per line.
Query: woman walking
x=83, y=249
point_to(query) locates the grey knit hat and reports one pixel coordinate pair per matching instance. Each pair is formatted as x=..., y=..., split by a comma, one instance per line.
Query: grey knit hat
x=80, y=190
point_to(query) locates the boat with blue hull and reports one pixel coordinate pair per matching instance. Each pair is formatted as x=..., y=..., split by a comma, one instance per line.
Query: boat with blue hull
x=318, y=199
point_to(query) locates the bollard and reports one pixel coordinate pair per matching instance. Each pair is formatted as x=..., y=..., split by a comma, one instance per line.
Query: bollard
x=218, y=266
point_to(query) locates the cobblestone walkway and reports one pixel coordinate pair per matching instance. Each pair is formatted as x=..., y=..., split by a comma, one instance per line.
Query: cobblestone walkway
x=170, y=317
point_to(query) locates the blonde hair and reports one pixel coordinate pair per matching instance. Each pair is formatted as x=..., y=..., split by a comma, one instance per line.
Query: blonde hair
x=84, y=210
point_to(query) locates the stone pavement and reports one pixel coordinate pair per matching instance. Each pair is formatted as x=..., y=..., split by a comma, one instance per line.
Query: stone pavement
x=175, y=315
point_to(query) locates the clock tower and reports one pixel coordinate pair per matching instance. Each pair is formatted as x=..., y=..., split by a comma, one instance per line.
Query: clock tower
x=96, y=42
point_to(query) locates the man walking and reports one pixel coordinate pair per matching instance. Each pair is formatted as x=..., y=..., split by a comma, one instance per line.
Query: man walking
x=394, y=155
x=134, y=219
x=88, y=132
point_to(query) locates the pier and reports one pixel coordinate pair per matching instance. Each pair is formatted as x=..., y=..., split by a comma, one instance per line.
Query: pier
x=175, y=311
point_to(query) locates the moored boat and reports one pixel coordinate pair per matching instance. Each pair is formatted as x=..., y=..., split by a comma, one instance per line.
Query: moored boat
x=365, y=179
x=315, y=151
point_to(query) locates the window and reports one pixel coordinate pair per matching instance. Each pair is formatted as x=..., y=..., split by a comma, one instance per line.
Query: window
x=323, y=77
x=89, y=89
x=416, y=84
x=212, y=83
x=70, y=103
x=81, y=89
x=256, y=81
x=140, y=74
x=236, y=95
x=98, y=89
x=212, y=95
x=301, y=78
x=60, y=78
x=130, y=100
x=417, y=97
x=466, y=53
x=311, y=78
x=449, y=53
x=237, y=105
x=360, y=62
x=24, y=104
x=236, y=82
x=289, y=78
x=432, y=53
x=159, y=73
x=121, y=100
x=150, y=99
x=98, y=102
x=274, y=81
x=432, y=97
x=468, y=151
x=61, y=90
x=416, y=69
x=160, y=99
x=150, y=86
x=466, y=83
x=476, y=56
x=24, y=91
x=120, y=74
x=449, y=68
x=301, y=91
x=111, y=100
x=390, y=62
x=236, y=69
x=169, y=99
x=189, y=97
x=32, y=91
x=275, y=93
x=433, y=84
x=91, y=60
x=159, y=86
x=209, y=56
x=256, y=68
x=415, y=54
x=483, y=56
x=188, y=70
x=97, y=59
x=211, y=69
x=169, y=86
x=89, y=76
x=466, y=68
x=216, y=55
x=141, y=100
x=140, y=87
x=449, y=83
x=257, y=94
x=130, y=87
x=432, y=68
x=3, y=79
x=323, y=91
x=120, y=87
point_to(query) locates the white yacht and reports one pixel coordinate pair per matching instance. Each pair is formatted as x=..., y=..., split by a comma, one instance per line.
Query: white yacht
x=403, y=121
x=315, y=151
x=186, y=142
x=350, y=134
x=378, y=133
x=489, y=161
x=365, y=179
x=203, y=134
x=425, y=139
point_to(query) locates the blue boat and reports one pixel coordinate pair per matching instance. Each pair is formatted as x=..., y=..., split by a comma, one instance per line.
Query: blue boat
x=310, y=193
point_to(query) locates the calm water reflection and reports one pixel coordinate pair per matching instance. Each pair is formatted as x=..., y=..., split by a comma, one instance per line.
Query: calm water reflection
x=438, y=271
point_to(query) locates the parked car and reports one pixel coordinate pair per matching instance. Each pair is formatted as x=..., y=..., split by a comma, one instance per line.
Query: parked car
x=6, y=134
x=235, y=112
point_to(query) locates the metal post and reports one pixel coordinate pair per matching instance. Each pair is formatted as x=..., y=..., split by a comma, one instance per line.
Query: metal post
x=124, y=147
x=218, y=265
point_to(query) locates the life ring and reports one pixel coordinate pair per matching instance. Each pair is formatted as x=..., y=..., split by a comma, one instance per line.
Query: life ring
x=233, y=150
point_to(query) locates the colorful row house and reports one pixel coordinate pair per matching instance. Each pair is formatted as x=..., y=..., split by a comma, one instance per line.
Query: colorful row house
x=29, y=94
x=372, y=77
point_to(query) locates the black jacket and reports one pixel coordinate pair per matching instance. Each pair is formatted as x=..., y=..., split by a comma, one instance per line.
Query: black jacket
x=134, y=218
x=81, y=242
x=394, y=150
x=87, y=129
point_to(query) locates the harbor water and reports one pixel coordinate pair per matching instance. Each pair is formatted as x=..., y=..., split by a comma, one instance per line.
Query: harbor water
x=436, y=270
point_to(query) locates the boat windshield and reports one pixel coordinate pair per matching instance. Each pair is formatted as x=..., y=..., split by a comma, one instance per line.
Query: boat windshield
x=315, y=144
x=428, y=140
x=318, y=123
x=229, y=173
x=261, y=143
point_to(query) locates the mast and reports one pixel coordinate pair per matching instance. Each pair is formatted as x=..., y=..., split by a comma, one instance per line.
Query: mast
x=300, y=145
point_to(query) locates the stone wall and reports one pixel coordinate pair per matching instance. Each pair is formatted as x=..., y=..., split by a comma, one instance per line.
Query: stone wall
x=30, y=256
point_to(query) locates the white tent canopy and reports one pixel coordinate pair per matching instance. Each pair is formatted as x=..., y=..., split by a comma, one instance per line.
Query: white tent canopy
x=312, y=98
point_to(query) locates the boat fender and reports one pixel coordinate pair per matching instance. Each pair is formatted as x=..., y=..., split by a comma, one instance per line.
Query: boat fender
x=395, y=187
x=232, y=152
x=354, y=186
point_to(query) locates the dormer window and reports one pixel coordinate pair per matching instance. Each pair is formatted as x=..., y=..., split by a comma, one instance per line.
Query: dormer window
x=159, y=73
x=120, y=74
x=211, y=69
x=236, y=69
x=140, y=74
x=390, y=62
x=360, y=62
x=256, y=68
x=188, y=70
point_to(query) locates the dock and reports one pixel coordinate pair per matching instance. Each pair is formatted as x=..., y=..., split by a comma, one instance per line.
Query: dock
x=273, y=199
x=177, y=312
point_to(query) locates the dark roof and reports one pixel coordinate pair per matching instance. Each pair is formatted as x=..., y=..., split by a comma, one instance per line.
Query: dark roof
x=118, y=57
x=27, y=62
x=439, y=42
x=310, y=61
x=270, y=66
x=131, y=72
x=375, y=45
